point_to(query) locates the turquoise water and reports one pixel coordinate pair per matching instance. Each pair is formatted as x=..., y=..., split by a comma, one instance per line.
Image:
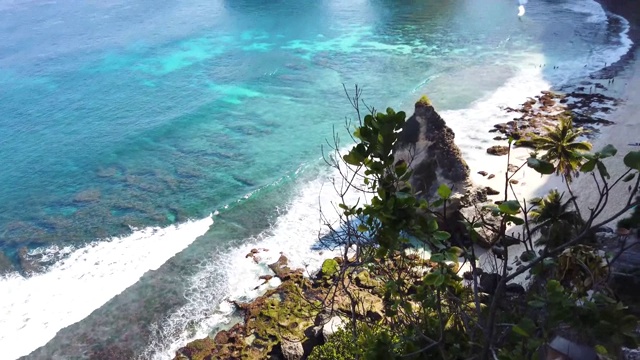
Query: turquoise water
x=116, y=116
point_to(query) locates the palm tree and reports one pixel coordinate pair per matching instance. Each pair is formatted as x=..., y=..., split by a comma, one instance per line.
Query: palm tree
x=563, y=150
x=555, y=219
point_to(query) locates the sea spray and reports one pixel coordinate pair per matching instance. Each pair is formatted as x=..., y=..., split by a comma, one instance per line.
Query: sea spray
x=521, y=9
x=34, y=309
x=294, y=234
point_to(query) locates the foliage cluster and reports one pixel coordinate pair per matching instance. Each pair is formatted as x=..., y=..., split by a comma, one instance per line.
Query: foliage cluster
x=439, y=315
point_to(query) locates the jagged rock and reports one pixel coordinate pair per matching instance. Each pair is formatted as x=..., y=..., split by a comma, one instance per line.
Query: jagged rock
x=483, y=173
x=427, y=143
x=491, y=176
x=498, y=251
x=509, y=241
x=282, y=270
x=515, y=289
x=330, y=328
x=468, y=275
x=6, y=266
x=291, y=350
x=498, y=150
x=28, y=265
x=491, y=191
x=323, y=317
x=489, y=282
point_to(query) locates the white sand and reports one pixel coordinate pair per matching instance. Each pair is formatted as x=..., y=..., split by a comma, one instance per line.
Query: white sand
x=625, y=131
x=530, y=184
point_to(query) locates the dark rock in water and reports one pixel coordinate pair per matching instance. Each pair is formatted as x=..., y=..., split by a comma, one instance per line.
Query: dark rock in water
x=515, y=289
x=498, y=150
x=427, y=143
x=28, y=265
x=468, y=275
x=489, y=282
x=483, y=173
x=603, y=229
x=491, y=176
x=87, y=196
x=509, y=241
x=491, y=191
x=6, y=266
x=498, y=251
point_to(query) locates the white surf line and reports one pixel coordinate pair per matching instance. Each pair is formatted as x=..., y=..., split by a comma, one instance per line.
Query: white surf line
x=33, y=310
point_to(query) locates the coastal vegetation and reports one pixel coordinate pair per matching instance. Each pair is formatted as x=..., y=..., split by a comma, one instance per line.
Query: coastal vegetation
x=429, y=274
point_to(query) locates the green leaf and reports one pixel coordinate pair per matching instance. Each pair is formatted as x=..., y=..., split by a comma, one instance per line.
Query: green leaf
x=363, y=228
x=608, y=151
x=444, y=191
x=601, y=350
x=629, y=177
x=437, y=257
x=588, y=166
x=525, y=327
x=520, y=331
x=437, y=203
x=603, y=170
x=514, y=219
x=431, y=278
x=632, y=160
x=541, y=166
x=537, y=303
x=439, y=280
x=510, y=207
x=441, y=235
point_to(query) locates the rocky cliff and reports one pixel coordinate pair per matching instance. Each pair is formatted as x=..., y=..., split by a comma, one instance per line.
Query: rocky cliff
x=427, y=144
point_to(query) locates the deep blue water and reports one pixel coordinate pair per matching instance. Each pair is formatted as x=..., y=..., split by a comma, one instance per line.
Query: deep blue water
x=126, y=114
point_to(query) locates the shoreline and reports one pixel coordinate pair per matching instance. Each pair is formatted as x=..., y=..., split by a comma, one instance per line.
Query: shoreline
x=627, y=73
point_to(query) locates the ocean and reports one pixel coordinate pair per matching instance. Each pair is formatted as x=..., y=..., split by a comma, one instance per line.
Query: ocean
x=147, y=147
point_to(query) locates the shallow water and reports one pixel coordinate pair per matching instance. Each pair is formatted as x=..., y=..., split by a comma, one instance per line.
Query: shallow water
x=122, y=116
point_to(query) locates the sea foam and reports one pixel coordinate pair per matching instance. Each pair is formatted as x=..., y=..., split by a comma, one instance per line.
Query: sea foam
x=294, y=234
x=34, y=309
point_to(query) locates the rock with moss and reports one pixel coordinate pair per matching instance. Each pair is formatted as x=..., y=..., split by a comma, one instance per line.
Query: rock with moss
x=330, y=268
x=427, y=143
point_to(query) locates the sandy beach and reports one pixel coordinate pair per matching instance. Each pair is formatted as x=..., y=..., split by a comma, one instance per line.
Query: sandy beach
x=622, y=134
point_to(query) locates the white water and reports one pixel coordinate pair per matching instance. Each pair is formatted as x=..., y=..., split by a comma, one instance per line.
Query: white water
x=294, y=234
x=33, y=310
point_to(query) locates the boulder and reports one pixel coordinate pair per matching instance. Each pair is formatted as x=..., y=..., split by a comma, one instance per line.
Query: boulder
x=515, y=289
x=427, y=144
x=498, y=150
x=291, y=350
x=6, y=266
x=332, y=326
x=492, y=191
x=489, y=282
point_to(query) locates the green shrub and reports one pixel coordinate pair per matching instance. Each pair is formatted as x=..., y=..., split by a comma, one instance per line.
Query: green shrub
x=330, y=267
x=339, y=347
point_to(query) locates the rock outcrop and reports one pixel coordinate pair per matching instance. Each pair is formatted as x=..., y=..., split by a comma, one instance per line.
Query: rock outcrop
x=427, y=144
